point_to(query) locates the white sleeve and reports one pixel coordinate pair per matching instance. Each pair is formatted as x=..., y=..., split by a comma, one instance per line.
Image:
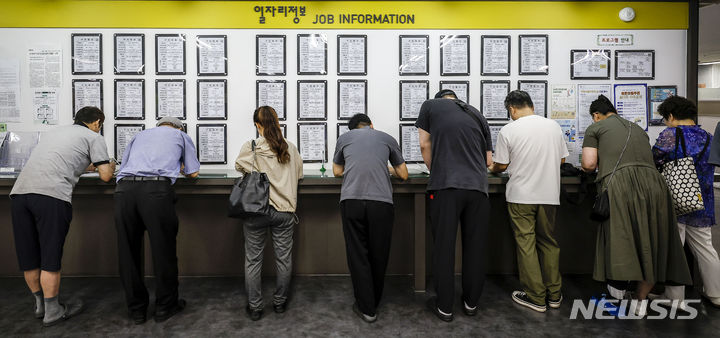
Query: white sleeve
x=502, y=151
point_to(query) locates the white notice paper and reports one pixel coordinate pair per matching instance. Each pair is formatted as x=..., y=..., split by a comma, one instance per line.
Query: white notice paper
x=87, y=93
x=351, y=98
x=129, y=54
x=454, y=53
x=170, y=99
x=9, y=90
x=495, y=55
x=412, y=96
x=45, y=106
x=312, y=100
x=631, y=103
x=493, y=99
x=587, y=93
x=351, y=54
x=494, y=132
x=538, y=93
x=129, y=99
x=533, y=54
x=45, y=68
x=312, y=142
x=270, y=55
x=461, y=89
x=563, y=102
x=170, y=57
x=312, y=54
x=271, y=93
x=87, y=53
x=211, y=144
x=211, y=99
x=410, y=143
x=413, y=54
x=123, y=135
x=212, y=56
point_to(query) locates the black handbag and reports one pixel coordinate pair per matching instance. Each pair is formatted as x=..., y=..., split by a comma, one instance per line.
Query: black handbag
x=250, y=194
x=601, y=207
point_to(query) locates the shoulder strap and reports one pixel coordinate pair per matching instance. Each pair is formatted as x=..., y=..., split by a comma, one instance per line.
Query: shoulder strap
x=252, y=144
x=466, y=109
x=621, y=153
x=680, y=139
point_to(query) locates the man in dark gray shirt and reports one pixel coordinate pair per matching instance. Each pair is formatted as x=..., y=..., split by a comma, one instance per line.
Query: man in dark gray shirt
x=361, y=157
x=457, y=148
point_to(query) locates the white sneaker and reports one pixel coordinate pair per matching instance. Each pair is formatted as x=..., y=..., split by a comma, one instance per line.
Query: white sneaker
x=616, y=293
x=638, y=307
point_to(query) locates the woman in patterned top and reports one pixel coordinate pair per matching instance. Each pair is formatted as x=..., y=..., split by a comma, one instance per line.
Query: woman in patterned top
x=679, y=115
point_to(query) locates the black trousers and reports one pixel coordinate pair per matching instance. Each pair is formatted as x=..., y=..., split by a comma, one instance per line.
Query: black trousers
x=367, y=226
x=471, y=209
x=140, y=206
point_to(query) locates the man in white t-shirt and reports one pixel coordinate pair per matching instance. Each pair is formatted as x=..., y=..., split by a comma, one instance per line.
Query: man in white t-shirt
x=532, y=148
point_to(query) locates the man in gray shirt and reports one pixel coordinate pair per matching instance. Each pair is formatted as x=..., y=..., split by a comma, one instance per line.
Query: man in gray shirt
x=361, y=157
x=41, y=209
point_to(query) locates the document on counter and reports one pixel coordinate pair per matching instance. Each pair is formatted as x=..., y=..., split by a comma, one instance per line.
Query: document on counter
x=312, y=142
x=410, y=143
x=45, y=106
x=412, y=96
x=587, y=93
x=87, y=93
x=312, y=100
x=455, y=55
x=10, y=90
x=538, y=93
x=129, y=99
x=124, y=133
x=312, y=54
x=212, y=143
x=352, y=98
x=352, y=54
x=45, y=67
x=86, y=54
x=170, y=98
x=533, y=54
x=129, y=54
x=634, y=64
x=495, y=55
x=563, y=102
x=631, y=103
x=461, y=89
x=270, y=55
x=493, y=99
x=272, y=94
x=170, y=54
x=212, y=55
x=211, y=99
x=414, y=55
x=590, y=64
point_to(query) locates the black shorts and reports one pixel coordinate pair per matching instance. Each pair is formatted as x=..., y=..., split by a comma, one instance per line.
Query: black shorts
x=40, y=224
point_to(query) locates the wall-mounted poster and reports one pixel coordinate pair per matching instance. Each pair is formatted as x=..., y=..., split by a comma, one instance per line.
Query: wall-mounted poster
x=656, y=96
x=495, y=55
x=342, y=128
x=534, y=56
x=494, y=132
x=589, y=64
x=212, y=143
x=212, y=99
x=492, y=99
x=563, y=102
x=129, y=54
x=631, y=103
x=86, y=54
x=270, y=55
x=87, y=92
x=352, y=54
x=124, y=133
x=412, y=96
x=312, y=142
x=212, y=55
x=129, y=99
x=587, y=93
x=461, y=89
x=170, y=99
x=414, y=55
x=634, y=64
x=273, y=94
x=410, y=143
x=312, y=100
x=352, y=98
x=170, y=54
x=311, y=54
x=537, y=90
x=454, y=54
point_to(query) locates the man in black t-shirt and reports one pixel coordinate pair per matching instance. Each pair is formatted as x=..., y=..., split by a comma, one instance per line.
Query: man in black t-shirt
x=457, y=148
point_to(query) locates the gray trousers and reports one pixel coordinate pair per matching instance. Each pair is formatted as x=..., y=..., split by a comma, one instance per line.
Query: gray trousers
x=280, y=225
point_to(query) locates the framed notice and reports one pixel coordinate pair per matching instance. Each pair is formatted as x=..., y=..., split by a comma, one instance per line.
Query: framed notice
x=495, y=55
x=124, y=133
x=538, y=94
x=461, y=89
x=414, y=55
x=169, y=54
x=631, y=103
x=212, y=99
x=312, y=100
x=656, y=96
x=342, y=128
x=352, y=98
x=410, y=143
x=129, y=99
x=312, y=142
x=634, y=64
x=492, y=99
x=87, y=92
x=212, y=55
x=283, y=127
x=412, y=96
x=586, y=94
x=352, y=55
x=170, y=99
x=86, y=54
x=589, y=64
x=494, y=132
x=129, y=54
x=311, y=54
x=212, y=143
x=533, y=53
x=270, y=55
x=272, y=94
x=454, y=55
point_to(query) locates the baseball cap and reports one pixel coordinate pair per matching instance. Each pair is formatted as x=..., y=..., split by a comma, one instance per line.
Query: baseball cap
x=172, y=120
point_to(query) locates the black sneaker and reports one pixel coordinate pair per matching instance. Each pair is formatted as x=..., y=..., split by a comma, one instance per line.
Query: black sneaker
x=364, y=317
x=521, y=298
x=469, y=311
x=555, y=303
x=254, y=314
x=280, y=308
x=432, y=306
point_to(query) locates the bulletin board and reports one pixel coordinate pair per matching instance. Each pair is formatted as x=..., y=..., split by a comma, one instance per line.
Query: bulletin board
x=661, y=27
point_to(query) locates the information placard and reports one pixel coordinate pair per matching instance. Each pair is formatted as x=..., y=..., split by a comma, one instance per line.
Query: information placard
x=410, y=143
x=352, y=54
x=495, y=56
x=631, y=103
x=212, y=55
x=270, y=55
x=311, y=54
x=412, y=96
x=273, y=94
x=589, y=64
x=352, y=98
x=494, y=132
x=414, y=55
x=169, y=54
x=656, y=96
x=170, y=99
x=492, y=100
x=212, y=99
x=454, y=55
x=533, y=53
x=342, y=128
x=312, y=142
x=537, y=90
x=212, y=143
x=124, y=133
x=129, y=54
x=86, y=54
x=87, y=93
x=312, y=100
x=634, y=64
x=129, y=99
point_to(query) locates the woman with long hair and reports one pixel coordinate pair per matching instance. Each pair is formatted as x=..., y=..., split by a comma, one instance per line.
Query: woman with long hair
x=280, y=160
